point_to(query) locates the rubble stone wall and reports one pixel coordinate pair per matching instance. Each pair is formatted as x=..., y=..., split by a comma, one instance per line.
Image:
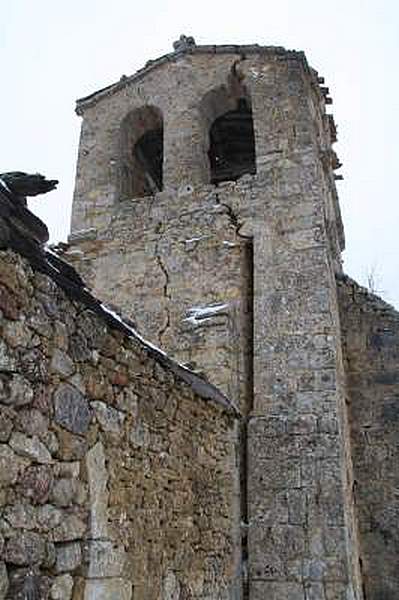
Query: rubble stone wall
x=370, y=332
x=116, y=479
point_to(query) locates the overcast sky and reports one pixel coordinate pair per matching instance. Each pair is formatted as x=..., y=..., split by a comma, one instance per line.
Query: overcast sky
x=53, y=52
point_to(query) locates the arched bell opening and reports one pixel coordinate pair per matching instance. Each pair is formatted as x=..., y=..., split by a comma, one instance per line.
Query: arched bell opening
x=226, y=114
x=232, y=144
x=141, y=152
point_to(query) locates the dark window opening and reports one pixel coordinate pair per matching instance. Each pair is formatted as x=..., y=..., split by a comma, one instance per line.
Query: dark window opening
x=232, y=144
x=148, y=154
x=141, y=153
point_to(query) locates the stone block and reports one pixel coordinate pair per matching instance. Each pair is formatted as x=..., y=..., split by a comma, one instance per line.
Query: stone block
x=71, y=409
x=272, y=590
x=98, y=478
x=104, y=589
x=3, y=580
x=105, y=559
x=30, y=447
x=62, y=364
x=35, y=483
x=62, y=588
x=25, y=548
x=69, y=557
x=110, y=419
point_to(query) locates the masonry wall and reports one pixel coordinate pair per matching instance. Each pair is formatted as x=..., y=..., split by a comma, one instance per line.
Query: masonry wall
x=238, y=279
x=116, y=479
x=182, y=271
x=370, y=330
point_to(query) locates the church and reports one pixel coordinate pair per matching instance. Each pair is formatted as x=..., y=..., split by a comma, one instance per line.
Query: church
x=222, y=399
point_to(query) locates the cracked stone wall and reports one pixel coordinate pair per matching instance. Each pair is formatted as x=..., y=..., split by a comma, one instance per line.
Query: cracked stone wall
x=183, y=274
x=371, y=348
x=238, y=280
x=116, y=479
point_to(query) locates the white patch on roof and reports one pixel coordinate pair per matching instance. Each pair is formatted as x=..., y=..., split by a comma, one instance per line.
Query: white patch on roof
x=131, y=329
x=202, y=387
x=4, y=185
x=50, y=251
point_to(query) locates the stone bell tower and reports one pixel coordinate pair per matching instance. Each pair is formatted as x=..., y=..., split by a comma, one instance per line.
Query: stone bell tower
x=205, y=209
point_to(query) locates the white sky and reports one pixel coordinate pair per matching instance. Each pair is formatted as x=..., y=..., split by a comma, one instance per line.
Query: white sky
x=53, y=52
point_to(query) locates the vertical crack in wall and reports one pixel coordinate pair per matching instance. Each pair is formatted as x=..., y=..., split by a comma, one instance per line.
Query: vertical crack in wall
x=233, y=218
x=248, y=334
x=247, y=405
x=166, y=294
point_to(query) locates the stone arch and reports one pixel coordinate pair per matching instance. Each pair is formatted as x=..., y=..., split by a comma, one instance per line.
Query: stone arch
x=141, y=153
x=226, y=114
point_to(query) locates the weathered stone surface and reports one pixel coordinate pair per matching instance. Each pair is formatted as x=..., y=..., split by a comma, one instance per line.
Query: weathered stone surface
x=110, y=419
x=21, y=516
x=16, y=391
x=71, y=528
x=50, y=557
x=105, y=559
x=40, y=322
x=25, y=548
x=62, y=364
x=71, y=447
x=68, y=469
x=103, y=589
x=69, y=556
x=31, y=448
x=11, y=465
x=62, y=588
x=370, y=330
x=17, y=333
x=42, y=399
x=7, y=360
x=50, y=440
x=97, y=481
x=171, y=587
x=49, y=517
x=8, y=303
x=3, y=580
x=64, y=492
x=35, y=483
x=79, y=349
x=61, y=335
x=27, y=583
x=278, y=590
x=34, y=366
x=71, y=409
x=98, y=477
x=7, y=417
x=33, y=422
